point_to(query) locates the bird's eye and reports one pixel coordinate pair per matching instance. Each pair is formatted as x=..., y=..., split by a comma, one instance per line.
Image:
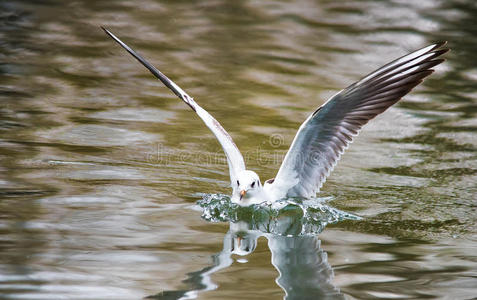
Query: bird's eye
x=253, y=184
x=238, y=183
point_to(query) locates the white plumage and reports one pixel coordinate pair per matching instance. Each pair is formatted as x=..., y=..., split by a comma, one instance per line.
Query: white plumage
x=325, y=134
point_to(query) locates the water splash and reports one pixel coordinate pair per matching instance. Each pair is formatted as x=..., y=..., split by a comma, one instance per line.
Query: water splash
x=289, y=217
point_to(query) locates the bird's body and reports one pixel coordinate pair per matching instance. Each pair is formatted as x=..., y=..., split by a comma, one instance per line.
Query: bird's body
x=325, y=134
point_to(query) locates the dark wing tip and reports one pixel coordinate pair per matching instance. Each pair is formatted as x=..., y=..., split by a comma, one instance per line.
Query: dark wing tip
x=438, y=50
x=437, y=61
x=163, y=78
x=437, y=46
x=440, y=44
x=107, y=31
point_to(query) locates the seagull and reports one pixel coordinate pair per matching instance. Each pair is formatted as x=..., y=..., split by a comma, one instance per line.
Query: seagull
x=325, y=134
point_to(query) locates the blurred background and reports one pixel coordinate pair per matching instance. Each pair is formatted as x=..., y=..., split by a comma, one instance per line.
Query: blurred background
x=101, y=165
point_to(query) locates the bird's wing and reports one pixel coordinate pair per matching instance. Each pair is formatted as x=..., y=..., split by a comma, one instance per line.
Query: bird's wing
x=234, y=157
x=324, y=136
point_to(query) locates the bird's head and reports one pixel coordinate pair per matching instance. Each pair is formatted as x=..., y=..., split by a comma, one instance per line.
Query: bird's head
x=247, y=186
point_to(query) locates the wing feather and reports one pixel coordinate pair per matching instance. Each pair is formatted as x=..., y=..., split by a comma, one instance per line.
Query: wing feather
x=325, y=135
x=234, y=157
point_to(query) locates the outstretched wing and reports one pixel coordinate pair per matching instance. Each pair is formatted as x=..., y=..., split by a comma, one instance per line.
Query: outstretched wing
x=324, y=136
x=234, y=157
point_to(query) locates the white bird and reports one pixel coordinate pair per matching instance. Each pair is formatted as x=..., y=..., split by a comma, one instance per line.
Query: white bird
x=325, y=134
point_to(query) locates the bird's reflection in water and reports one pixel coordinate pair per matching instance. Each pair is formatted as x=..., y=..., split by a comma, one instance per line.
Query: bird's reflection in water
x=303, y=266
x=304, y=271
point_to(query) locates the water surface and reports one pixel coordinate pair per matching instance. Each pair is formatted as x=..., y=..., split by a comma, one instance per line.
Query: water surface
x=101, y=166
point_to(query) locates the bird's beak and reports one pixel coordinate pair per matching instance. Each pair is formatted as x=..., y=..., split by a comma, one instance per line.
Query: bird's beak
x=242, y=193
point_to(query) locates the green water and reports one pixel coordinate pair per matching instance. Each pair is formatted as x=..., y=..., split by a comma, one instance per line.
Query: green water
x=101, y=166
